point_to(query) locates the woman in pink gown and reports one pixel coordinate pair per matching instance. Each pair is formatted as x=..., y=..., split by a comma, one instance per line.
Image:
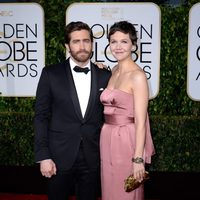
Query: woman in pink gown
x=125, y=141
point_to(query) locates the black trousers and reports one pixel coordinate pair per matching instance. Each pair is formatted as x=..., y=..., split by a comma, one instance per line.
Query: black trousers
x=79, y=178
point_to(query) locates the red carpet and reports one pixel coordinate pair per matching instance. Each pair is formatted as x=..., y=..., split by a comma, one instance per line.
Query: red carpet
x=4, y=196
x=26, y=197
x=23, y=197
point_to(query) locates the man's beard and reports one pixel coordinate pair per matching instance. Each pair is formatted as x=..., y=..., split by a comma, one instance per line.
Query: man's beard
x=79, y=57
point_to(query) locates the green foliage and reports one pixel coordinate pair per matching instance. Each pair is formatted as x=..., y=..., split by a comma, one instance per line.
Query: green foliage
x=15, y=104
x=176, y=141
x=16, y=139
x=54, y=30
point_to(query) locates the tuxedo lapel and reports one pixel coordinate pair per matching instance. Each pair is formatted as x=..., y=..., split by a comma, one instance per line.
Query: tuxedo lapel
x=93, y=93
x=72, y=90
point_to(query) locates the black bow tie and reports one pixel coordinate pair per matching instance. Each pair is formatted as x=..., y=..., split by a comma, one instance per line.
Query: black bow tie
x=81, y=69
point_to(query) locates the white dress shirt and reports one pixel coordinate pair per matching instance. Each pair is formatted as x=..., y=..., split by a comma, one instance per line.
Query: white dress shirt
x=82, y=83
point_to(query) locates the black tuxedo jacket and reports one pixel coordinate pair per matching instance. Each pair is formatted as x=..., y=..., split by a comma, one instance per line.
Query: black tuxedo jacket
x=58, y=123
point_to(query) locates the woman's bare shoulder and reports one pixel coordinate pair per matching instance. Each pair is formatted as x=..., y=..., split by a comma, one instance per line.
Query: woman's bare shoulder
x=137, y=76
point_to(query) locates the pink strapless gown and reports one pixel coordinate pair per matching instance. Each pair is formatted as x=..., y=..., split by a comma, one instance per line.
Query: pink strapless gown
x=117, y=143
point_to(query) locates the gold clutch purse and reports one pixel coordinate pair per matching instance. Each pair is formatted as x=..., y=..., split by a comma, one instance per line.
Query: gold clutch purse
x=131, y=183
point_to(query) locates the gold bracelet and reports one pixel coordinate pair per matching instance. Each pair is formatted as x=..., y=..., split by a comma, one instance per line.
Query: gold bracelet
x=137, y=160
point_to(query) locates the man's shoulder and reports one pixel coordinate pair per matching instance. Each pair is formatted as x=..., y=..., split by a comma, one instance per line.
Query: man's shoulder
x=57, y=66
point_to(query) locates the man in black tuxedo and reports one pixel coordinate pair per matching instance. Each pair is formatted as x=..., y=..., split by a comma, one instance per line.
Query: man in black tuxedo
x=68, y=119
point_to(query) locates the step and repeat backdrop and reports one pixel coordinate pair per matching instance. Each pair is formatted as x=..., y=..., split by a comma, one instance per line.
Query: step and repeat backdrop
x=22, y=42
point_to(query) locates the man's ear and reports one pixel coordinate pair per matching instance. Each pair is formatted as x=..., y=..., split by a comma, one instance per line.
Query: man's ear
x=67, y=47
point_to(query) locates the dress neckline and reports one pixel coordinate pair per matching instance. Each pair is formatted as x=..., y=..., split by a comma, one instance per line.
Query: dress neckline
x=115, y=89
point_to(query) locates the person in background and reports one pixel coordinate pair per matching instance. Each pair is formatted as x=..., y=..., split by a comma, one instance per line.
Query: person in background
x=68, y=119
x=125, y=141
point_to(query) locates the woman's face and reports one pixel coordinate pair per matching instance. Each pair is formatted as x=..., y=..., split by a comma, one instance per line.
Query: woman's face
x=120, y=45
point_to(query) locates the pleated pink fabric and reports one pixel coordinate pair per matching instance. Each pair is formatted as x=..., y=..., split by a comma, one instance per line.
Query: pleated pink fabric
x=117, y=143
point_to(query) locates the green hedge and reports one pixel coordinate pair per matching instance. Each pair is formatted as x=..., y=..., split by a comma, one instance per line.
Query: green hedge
x=16, y=139
x=176, y=141
x=174, y=116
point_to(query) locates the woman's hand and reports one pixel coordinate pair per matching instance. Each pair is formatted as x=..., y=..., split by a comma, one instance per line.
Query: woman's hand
x=138, y=171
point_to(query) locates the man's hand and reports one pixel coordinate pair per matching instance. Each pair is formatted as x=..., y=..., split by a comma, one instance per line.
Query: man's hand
x=47, y=168
x=102, y=66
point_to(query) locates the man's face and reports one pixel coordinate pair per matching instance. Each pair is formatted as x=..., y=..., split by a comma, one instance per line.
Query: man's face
x=80, y=46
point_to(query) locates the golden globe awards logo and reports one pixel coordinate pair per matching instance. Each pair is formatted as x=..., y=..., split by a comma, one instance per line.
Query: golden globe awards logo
x=147, y=52
x=19, y=54
x=21, y=48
